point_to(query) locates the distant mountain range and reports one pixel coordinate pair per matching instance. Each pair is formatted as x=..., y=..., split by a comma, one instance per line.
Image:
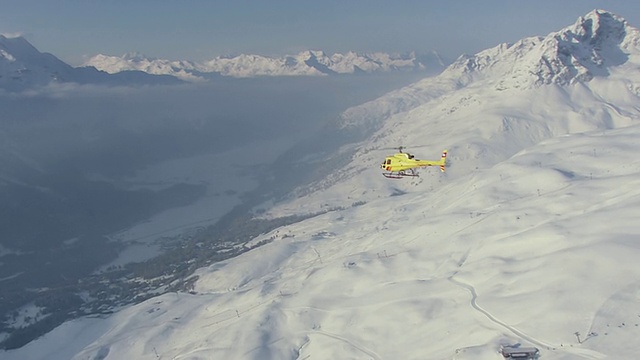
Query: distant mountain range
x=23, y=67
x=306, y=63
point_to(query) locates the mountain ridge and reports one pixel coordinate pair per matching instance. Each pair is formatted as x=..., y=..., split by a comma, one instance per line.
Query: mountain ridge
x=305, y=63
x=576, y=53
x=510, y=65
x=23, y=67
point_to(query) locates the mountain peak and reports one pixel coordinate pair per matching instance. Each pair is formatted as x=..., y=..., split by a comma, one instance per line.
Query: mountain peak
x=588, y=48
x=601, y=20
x=18, y=47
x=598, y=28
x=136, y=56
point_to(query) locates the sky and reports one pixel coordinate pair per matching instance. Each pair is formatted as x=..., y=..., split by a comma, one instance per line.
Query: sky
x=200, y=30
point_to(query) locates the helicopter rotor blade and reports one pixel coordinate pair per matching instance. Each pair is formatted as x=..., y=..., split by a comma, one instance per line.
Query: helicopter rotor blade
x=402, y=147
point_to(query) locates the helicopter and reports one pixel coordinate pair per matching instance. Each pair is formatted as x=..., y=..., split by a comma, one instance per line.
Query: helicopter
x=402, y=164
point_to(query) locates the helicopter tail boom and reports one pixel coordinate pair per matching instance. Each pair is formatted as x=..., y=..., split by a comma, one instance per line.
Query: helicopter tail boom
x=441, y=163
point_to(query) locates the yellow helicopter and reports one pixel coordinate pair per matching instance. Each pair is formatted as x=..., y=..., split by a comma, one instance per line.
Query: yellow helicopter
x=401, y=164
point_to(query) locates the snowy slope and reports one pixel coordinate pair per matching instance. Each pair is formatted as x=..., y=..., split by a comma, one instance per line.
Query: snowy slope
x=530, y=237
x=530, y=251
x=306, y=63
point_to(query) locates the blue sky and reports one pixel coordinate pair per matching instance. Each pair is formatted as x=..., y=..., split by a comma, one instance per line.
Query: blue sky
x=200, y=30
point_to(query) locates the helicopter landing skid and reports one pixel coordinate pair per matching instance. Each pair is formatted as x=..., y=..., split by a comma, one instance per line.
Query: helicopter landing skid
x=399, y=175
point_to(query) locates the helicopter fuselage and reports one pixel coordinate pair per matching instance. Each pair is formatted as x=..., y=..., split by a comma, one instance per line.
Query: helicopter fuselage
x=402, y=164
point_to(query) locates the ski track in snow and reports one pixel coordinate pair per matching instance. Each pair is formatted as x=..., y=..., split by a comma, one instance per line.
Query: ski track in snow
x=584, y=353
x=350, y=342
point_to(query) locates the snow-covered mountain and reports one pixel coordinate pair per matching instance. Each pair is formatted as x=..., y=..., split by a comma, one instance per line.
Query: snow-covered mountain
x=530, y=237
x=306, y=63
x=22, y=67
x=581, y=78
x=575, y=54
